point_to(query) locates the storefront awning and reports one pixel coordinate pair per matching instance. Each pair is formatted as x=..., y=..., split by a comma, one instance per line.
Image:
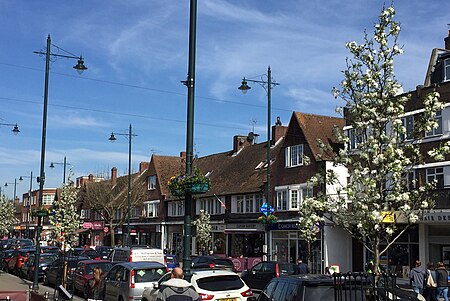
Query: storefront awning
x=81, y=231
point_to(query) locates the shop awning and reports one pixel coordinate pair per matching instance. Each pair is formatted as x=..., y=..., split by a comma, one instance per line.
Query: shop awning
x=81, y=231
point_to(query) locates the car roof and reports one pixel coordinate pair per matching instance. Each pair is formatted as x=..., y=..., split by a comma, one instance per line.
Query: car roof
x=209, y=272
x=93, y=261
x=308, y=278
x=141, y=264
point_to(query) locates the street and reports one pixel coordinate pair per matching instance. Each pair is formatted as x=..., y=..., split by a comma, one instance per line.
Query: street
x=10, y=282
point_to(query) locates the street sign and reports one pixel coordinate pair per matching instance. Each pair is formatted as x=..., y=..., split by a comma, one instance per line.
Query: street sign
x=106, y=229
x=266, y=209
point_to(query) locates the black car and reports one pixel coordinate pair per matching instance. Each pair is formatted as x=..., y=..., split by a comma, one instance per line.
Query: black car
x=103, y=251
x=50, y=249
x=27, y=269
x=87, y=252
x=212, y=262
x=54, y=272
x=259, y=275
x=5, y=257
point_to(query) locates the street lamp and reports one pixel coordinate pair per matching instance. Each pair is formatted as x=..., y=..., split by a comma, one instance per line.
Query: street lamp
x=15, y=129
x=29, y=201
x=113, y=138
x=80, y=68
x=64, y=163
x=15, y=187
x=267, y=83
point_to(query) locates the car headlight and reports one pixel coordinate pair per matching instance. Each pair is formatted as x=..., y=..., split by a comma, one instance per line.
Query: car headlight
x=44, y=268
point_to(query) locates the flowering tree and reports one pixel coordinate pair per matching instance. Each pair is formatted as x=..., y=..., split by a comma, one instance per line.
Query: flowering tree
x=380, y=153
x=203, y=226
x=65, y=219
x=7, y=216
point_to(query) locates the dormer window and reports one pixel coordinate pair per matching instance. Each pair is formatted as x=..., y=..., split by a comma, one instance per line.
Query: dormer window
x=294, y=155
x=152, y=182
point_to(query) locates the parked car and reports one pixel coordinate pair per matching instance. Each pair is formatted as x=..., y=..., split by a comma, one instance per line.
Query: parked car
x=5, y=243
x=210, y=285
x=170, y=261
x=87, y=252
x=259, y=275
x=45, y=259
x=54, y=272
x=6, y=256
x=18, y=258
x=50, y=249
x=212, y=262
x=136, y=253
x=127, y=280
x=22, y=243
x=84, y=273
x=103, y=251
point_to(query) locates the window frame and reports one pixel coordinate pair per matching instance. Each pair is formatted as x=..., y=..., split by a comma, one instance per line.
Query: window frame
x=151, y=182
x=155, y=208
x=409, y=128
x=285, y=196
x=293, y=155
x=175, y=208
x=247, y=203
x=439, y=130
x=438, y=174
x=447, y=69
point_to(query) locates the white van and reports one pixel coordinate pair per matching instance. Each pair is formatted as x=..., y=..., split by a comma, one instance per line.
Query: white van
x=135, y=254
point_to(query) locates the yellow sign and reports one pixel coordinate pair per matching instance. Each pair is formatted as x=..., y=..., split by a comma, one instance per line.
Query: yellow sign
x=388, y=216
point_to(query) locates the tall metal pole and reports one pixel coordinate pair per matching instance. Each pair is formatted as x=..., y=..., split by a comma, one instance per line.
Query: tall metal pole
x=269, y=192
x=129, y=185
x=42, y=171
x=15, y=189
x=190, y=83
x=29, y=205
x=64, y=172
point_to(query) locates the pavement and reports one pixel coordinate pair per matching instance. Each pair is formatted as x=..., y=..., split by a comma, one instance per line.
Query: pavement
x=10, y=282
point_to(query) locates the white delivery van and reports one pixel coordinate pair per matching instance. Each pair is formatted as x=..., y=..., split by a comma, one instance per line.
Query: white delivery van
x=135, y=254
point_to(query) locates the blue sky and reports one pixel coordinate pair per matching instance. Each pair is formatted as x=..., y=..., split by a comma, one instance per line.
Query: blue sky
x=137, y=54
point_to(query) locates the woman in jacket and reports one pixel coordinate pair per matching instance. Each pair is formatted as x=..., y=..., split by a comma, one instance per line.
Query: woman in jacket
x=441, y=281
x=96, y=288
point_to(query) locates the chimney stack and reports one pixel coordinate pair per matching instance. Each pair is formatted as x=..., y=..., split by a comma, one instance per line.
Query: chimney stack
x=113, y=176
x=447, y=41
x=183, y=155
x=278, y=131
x=143, y=166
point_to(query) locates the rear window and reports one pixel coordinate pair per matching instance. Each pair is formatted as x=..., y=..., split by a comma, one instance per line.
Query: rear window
x=220, y=283
x=148, y=275
x=318, y=293
x=286, y=268
x=170, y=259
x=226, y=262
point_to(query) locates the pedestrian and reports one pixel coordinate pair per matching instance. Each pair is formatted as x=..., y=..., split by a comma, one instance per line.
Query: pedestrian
x=429, y=291
x=96, y=287
x=417, y=277
x=177, y=289
x=441, y=281
x=302, y=268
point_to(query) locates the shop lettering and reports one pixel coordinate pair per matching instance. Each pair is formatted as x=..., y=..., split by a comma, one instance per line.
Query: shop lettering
x=436, y=218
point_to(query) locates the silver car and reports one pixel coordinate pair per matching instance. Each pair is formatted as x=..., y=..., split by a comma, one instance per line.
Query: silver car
x=127, y=280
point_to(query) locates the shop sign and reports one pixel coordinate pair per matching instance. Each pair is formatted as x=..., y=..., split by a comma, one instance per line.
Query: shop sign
x=255, y=226
x=87, y=225
x=435, y=217
x=106, y=229
x=284, y=226
x=97, y=225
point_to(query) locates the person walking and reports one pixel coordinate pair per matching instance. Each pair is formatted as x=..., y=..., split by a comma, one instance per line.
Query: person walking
x=429, y=291
x=417, y=277
x=177, y=289
x=302, y=268
x=95, y=287
x=441, y=281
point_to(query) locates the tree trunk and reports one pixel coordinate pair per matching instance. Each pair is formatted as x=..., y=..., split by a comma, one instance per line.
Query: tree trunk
x=111, y=230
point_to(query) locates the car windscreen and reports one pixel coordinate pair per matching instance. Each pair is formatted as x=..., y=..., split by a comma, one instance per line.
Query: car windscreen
x=148, y=275
x=220, y=283
x=104, y=266
x=225, y=262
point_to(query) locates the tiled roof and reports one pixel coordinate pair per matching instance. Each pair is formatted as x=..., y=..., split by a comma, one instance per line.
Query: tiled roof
x=318, y=127
x=229, y=173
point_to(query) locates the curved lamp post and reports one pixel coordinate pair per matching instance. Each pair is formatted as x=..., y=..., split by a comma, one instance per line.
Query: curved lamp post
x=41, y=179
x=29, y=202
x=15, y=129
x=129, y=136
x=64, y=163
x=15, y=188
x=267, y=83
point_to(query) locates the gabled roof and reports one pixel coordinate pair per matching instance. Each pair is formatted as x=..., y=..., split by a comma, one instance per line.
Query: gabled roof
x=318, y=127
x=229, y=173
x=435, y=54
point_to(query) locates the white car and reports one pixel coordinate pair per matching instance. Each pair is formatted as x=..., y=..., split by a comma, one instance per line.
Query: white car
x=210, y=285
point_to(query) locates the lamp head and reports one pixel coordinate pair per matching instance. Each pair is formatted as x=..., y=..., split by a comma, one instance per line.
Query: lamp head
x=20, y=179
x=80, y=67
x=6, y=184
x=244, y=86
x=112, y=138
x=15, y=130
x=52, y=165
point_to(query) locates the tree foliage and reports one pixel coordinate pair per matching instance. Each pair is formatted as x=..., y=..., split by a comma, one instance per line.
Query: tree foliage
x=379, y=165
x=65, y=219
x=110, y=199
x=7, y=216
x=203, y=227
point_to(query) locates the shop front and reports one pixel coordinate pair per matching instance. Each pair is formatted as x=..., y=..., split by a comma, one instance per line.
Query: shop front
x=245, y=240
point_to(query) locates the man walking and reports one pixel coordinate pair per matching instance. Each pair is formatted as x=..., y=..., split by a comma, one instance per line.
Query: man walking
x=441, y=281
x=417, y=277
x=177, y=289
x=302, y=268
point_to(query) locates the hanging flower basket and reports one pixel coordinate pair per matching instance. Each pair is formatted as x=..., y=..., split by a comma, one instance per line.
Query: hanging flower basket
x=269, y=219
x=194, y=184
x=40, y=211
